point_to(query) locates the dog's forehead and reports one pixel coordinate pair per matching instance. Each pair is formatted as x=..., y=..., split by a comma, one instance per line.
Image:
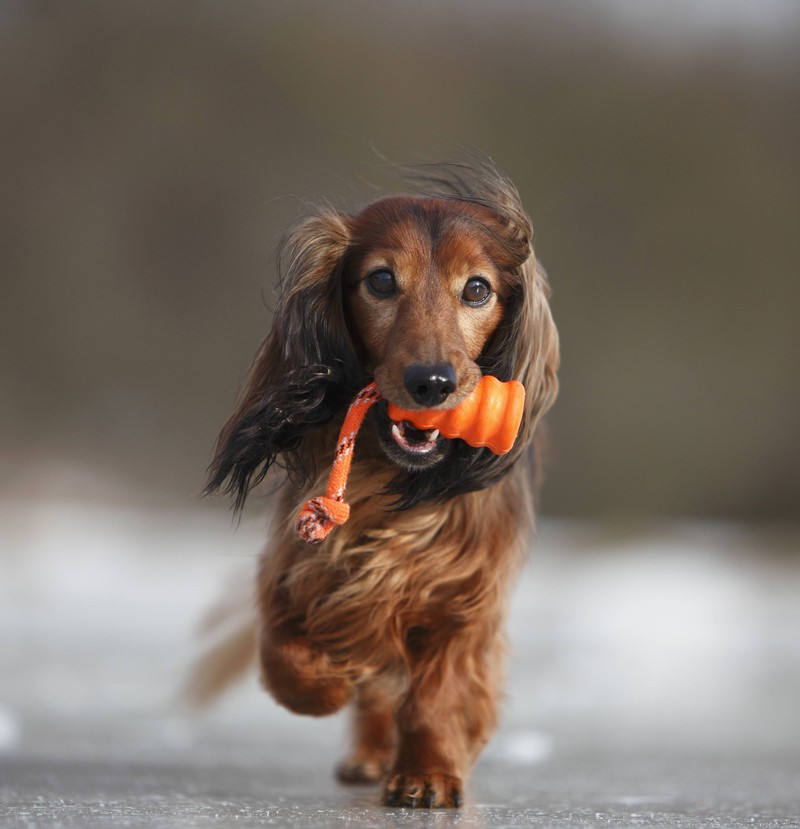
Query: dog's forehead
x=441, y=229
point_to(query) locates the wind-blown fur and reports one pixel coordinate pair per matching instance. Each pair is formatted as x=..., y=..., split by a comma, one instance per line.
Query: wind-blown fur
x=400, y=610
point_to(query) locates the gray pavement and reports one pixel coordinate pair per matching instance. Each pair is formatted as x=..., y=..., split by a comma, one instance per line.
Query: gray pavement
x=586, y=790
x=655, y=681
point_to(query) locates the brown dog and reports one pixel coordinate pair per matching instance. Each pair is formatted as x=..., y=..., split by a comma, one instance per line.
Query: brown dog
x=400, y=610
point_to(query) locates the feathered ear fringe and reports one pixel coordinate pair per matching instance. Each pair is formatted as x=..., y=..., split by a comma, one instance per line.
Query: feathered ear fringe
x=304, y=373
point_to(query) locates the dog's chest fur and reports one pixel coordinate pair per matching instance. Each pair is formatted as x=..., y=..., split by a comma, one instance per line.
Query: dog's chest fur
x=387, y=579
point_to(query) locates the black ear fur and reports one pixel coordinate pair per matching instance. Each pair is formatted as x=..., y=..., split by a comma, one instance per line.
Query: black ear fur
x=304, y=373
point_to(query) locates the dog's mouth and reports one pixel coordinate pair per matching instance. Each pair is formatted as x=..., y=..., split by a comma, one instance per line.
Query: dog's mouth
x=405, y=445
x=413, y=440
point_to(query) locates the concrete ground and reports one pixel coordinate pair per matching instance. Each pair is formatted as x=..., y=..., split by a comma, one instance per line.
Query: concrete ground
x=654, y=681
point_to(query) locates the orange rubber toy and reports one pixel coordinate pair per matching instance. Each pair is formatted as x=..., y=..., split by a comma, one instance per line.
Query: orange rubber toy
x=490, y=416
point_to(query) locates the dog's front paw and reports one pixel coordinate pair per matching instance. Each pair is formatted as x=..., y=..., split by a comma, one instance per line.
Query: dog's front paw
x=423, y=790
x=302, y=678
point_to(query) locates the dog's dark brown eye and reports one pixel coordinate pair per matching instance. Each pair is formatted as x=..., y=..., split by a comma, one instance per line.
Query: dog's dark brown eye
x=476, y=291
x=382, y=283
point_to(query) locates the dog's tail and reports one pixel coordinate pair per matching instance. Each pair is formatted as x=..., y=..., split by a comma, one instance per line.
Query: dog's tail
x=231, y=632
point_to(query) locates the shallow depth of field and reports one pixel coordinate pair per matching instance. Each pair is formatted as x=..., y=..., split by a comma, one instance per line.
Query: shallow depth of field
x=152, y=155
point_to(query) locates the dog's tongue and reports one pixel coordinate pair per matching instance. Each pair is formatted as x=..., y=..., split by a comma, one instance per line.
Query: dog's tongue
x=415, y=435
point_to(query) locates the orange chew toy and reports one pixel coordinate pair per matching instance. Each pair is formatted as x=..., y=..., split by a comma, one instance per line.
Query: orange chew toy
x=490, y=416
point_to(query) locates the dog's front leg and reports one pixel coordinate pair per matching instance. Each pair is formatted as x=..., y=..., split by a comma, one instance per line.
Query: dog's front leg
x=295, y=668
x=445, y=719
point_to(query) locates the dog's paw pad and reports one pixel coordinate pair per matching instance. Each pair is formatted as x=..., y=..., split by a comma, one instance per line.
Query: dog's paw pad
x=423, y=790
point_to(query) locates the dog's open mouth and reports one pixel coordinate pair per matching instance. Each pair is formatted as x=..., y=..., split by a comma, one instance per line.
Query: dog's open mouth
x=405, y=445
x=413, y=440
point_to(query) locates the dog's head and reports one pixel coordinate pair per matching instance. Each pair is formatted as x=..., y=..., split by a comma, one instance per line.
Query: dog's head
x=423, y=293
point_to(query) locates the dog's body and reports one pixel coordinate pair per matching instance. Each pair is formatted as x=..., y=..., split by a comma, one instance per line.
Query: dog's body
x=399, y=610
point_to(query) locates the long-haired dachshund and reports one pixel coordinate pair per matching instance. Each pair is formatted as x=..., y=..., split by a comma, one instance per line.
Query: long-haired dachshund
x=399, y=611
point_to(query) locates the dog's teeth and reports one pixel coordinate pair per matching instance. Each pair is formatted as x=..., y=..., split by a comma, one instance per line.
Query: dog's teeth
x=396, y=433
x=432, y=435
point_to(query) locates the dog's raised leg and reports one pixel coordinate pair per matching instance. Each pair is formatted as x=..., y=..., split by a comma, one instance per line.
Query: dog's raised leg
x=375, y=738
x=299, y=674
x=445, y=719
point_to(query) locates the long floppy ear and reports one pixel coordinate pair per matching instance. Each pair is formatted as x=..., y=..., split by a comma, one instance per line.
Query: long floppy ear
x=305, y=371
x=526, y=348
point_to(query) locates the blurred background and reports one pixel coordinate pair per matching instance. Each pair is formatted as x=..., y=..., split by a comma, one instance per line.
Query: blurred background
x=151, y=156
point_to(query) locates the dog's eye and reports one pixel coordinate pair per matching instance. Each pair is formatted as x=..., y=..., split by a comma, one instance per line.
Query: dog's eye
x=382, y=283
x=476, y=291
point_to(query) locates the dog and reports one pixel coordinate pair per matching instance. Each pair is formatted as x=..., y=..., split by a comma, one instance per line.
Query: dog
x=399, y=612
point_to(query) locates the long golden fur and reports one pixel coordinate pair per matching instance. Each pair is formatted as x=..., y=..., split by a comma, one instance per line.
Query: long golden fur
x=400, y=611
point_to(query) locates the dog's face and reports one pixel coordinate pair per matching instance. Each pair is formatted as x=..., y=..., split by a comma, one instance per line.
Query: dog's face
x=425, y=294
x=425, y=287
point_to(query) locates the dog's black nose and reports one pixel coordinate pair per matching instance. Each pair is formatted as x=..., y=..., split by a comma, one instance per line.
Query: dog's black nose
x=430, y=385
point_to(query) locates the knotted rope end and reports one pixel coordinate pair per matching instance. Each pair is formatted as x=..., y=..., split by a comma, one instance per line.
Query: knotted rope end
x=319, y=516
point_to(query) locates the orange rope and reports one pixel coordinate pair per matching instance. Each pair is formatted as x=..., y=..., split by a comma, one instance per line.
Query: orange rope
x=320, y=515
